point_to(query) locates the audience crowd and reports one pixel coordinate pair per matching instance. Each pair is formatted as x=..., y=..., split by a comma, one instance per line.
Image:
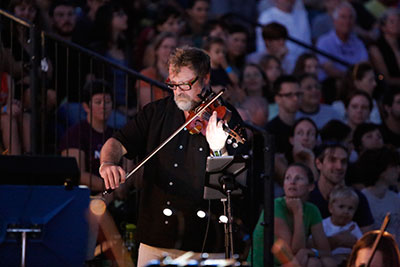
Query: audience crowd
x=336, y=120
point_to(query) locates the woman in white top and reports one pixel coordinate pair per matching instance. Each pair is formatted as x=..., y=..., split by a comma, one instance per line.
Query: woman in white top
x=380, y=170
x=360, y=77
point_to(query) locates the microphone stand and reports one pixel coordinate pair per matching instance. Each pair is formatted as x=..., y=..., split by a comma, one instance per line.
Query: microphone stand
x=228, y=184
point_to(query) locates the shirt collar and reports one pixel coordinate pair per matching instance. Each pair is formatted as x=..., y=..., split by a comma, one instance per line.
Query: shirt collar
x=339, y=41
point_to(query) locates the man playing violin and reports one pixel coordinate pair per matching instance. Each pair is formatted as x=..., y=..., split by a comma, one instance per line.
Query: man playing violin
x=174, y=177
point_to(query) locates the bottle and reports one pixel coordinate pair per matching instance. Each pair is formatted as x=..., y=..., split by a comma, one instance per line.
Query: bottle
x=130, y=229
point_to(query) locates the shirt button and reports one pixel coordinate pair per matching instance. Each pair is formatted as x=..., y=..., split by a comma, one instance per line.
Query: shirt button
x=180, y=146
x=168, y=203
x=175, y=165
x=171, y=183
x=200, y=149
x=166, y=222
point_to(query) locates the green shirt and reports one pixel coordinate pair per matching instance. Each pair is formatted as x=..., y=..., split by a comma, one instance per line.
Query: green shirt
x=311, y=217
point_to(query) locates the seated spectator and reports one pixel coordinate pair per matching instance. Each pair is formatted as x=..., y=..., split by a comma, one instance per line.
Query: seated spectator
x=380, y=170
x=83, y=33
x=361, y=76
x=63, y=18
x=274, y=36
x=311, y=106
x=306, y=63
x=236, y=47
x=17, y=53
x=216, y=28
x=221, y=72
x=358, y=107
x=383, y=52
x=163, y=45
x=331, y=161
x=15, y=71
x=303, y=139
x=343, y=202
x=167, y=19
x=70, y=66
x=387, y=252
x=288, y=96
x=323, y=23
x=336, y=131
x=196, y=19
x=111, y=27
x=391, y=117
x=15, y=123
x=366, y=24
x=256, y=108
x=254, y=82
x=85, y=139
x=15, y=139
x=295, y=20
x=272, y=68
x=295, y=220
x=367, y=136
x=341, y=42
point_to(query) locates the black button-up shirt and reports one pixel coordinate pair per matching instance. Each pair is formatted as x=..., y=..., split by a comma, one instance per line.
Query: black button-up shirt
x=173, y=178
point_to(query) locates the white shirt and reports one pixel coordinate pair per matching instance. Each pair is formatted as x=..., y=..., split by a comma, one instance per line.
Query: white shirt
x=374, y=116
x=380, y=206
x=322, y=116
x=330, y=229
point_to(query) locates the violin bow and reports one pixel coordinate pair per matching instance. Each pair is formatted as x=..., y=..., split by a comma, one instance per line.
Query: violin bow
x=378, y=238
x=108, y=191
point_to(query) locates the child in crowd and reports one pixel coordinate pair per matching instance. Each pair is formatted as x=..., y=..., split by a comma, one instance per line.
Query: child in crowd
x=343, y=202
x=215, y=47
x=294, y=220
x=222, y=75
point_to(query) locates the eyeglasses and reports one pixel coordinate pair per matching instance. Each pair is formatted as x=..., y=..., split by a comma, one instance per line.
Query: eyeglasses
x=183, y=86
x=292, y=94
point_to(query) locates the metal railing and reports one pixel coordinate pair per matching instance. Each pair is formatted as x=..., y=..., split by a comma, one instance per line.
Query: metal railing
x=41, y=63
x=54, y=71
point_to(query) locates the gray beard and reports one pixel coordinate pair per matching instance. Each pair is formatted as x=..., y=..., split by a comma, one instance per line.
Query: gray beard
x=184, y=103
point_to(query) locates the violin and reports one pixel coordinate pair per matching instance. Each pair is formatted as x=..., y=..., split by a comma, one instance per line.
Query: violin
x=204, y=112
x=200, y=122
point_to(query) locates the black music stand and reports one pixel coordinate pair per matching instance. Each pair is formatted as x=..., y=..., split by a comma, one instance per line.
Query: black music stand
x=43, y=225
x=226, y=176
x=39, y=170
